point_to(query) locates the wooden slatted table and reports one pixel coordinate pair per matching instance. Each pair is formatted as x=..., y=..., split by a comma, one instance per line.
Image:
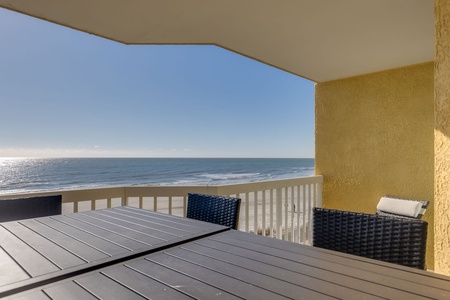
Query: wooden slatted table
x=43, y=250
x=236, y=265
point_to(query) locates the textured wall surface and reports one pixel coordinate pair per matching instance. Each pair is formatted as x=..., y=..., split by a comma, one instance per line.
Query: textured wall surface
x=442, y=137
x=374, y=136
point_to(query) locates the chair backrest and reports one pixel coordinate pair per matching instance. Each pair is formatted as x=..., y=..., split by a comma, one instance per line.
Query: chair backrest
x=27, y=208
x=391, y=206
x=215, y=209
x=395, y=240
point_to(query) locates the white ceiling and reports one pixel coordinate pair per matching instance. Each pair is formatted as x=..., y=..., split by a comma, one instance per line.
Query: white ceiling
x=320, y=40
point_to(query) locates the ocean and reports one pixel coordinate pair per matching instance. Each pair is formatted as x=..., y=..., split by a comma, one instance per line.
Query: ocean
x=21, y=175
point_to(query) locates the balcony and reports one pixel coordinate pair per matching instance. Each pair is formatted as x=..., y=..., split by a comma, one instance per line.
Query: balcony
x=281, y=208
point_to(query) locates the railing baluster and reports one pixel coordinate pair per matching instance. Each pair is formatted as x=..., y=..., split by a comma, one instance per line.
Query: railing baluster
x=271, y=213
x=297, y=235
x=313, y=201
x=263, y=211
x=286, y=211
x=279, y=218
x=247, y=208
x=308, y=209
x=170, y=205
x=255, y=212
x=304, y=214
x=292, y=205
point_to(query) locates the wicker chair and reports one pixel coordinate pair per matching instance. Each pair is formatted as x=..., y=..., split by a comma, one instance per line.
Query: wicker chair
x=27, y=208
x=214, y=209
x=396, y=240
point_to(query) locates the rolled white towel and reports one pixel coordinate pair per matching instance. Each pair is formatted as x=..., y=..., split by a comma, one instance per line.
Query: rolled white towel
x=399, y=206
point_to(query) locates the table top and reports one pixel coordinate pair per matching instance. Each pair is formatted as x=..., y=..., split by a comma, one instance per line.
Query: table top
x=51, y=248
x=236, y=265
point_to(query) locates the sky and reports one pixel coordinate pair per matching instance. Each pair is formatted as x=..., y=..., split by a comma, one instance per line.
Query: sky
x=66, y=93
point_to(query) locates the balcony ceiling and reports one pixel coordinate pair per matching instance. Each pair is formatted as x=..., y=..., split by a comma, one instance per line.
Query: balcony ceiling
x=320, y=40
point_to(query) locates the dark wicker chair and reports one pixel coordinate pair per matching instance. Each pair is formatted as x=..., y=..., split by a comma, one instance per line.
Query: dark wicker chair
x=396, y=240
x=27, y=208
x=214, y=209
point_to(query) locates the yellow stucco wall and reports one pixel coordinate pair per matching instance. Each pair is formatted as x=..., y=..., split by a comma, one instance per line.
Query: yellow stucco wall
x=374, y=136
x=442, y=137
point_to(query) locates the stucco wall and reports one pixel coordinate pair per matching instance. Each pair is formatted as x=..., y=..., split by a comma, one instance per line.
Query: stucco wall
x=442, y=137
x=374, y=136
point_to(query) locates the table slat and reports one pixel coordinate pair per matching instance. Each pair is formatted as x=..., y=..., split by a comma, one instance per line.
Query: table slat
x=301, y=269
x=143, y=284
x=230, y=280
x=29, y=259
x=184, y=224
x=69, y=291
x=103, y=287
x=358, y=262
x=386, y=279
x=87, y=238
x=179, y=281
x=80, y=249
x=105, y=234
x=283, y=282
x=158, y=230
x=286, y=276
x=121, y=230
x=38, y=295
x=9, y=270
x=56, y=254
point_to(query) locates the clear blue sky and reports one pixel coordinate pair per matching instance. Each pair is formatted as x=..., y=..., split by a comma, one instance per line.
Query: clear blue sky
x=68, y=93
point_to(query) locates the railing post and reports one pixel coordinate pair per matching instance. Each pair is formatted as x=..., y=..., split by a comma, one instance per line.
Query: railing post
x=124, y=198
x=279, y=212
x=184, y=206
x=319, y=194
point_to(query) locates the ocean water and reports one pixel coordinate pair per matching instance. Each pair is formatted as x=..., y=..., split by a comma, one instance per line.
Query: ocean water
x=19, y=175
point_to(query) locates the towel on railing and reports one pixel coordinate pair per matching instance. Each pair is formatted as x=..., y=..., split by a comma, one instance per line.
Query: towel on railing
x=400, y=206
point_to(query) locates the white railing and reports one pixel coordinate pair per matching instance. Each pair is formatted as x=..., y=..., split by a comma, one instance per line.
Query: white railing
x=279, y=208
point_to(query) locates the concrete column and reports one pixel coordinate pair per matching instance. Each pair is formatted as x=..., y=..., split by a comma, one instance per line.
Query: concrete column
x=442, y=137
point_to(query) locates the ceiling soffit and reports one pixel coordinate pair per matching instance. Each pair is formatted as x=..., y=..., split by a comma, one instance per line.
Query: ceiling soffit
x=320, y=40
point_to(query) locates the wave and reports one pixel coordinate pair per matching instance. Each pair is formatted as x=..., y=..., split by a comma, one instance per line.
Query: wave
x=186, y=182
x=229, y=176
